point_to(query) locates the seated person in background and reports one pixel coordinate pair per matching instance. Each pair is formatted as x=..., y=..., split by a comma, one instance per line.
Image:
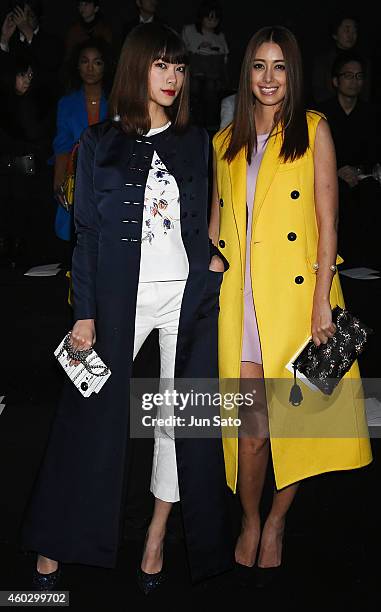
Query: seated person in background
x=344, y=34
x=21, y=35
x=227, y=110
x=355, y=130
x=24, y=150
x=88, y=81
x=209, y=51
x=91, y=24
x=146, y=13
x=352, y=120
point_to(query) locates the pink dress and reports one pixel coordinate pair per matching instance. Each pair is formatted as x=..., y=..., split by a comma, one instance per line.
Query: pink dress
x=251, y=347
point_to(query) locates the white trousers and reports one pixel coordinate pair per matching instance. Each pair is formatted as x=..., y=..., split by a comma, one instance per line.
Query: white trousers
x=158, y=307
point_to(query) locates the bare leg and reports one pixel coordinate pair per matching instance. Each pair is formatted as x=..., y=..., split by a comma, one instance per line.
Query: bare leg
x=46, y=565
x=270, y=554
x=152, y=560
x=253, y=455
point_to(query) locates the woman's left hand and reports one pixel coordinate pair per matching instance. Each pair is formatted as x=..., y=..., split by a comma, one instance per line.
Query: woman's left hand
x=322, y=327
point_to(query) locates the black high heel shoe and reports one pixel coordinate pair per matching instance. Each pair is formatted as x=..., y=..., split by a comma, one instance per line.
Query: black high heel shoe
x=46, y=582
x=267, y=576
x=244, y=574
x=149, y=582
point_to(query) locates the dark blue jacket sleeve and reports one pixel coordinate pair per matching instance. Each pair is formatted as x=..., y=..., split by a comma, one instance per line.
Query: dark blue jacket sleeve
x=86, y=222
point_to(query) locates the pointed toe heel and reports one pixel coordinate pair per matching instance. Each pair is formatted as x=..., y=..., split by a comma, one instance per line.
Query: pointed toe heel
x=267, y=576
x=244, y=574
x=46, y=582
x=149, y=582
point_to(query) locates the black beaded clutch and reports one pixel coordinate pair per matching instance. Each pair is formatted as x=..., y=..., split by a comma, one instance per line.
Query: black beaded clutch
x=325, y=365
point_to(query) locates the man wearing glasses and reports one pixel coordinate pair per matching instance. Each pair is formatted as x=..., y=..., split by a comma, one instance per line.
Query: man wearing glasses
x=355, y=127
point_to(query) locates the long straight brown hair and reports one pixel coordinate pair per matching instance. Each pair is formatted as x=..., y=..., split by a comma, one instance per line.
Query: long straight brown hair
x=291, y=117
x=129, y=96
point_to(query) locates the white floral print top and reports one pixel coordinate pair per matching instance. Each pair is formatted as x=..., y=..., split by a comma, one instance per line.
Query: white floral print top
x=163, y=255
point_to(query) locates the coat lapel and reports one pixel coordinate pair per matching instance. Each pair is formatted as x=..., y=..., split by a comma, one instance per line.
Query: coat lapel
x=238, y=172
x=237, y=169
x=267, y=170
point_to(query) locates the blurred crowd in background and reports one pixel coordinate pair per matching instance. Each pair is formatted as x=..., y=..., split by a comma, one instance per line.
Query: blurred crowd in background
x=52, y=87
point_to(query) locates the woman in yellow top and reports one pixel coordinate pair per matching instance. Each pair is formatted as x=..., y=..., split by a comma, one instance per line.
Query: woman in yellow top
x=274, y=214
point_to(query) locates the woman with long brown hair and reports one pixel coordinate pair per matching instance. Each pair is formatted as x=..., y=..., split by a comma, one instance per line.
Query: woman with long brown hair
x=143, y=260
x=274, y=215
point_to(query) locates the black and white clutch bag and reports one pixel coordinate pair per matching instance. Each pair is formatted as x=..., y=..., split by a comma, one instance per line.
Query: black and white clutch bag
x=90, y=374
x=325, y=365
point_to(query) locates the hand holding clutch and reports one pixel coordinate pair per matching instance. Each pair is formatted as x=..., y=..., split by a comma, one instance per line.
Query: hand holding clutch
x=91, y=373
x=325, y=365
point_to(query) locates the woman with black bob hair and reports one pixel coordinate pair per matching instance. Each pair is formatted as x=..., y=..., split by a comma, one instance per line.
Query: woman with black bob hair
x=142, y=260
x=24, y=149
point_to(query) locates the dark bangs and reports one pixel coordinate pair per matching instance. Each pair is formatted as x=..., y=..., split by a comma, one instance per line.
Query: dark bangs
x=145, y=44
x=173, y=51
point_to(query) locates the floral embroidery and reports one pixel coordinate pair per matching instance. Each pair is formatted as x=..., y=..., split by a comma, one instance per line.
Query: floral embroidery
x=161, y=202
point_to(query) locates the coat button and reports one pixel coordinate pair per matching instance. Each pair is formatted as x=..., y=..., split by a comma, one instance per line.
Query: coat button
x=299, y=280
x=84, y=386
x=221, y=243
x=291, y=236
x=221, y=202
x=295, y=194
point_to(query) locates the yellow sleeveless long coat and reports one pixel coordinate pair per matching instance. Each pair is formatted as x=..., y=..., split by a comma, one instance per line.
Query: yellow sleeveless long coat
x=283, y=282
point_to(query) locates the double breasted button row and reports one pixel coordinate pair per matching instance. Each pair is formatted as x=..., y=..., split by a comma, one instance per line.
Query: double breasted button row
x=291, y=236
x=295, y=194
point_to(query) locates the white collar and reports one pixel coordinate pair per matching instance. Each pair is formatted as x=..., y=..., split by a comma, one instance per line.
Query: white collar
x=157, y=130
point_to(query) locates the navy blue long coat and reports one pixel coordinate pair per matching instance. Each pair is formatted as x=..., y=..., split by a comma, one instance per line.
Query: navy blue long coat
x=75, y=512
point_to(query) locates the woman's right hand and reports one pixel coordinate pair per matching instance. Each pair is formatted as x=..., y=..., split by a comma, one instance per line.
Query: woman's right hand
x=82, y=336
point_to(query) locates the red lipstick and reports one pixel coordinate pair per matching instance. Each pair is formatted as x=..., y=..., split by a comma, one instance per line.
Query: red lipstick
x=169, y=92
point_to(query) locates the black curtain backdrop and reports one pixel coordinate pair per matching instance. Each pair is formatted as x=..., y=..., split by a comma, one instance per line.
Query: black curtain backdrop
x=240, y=20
